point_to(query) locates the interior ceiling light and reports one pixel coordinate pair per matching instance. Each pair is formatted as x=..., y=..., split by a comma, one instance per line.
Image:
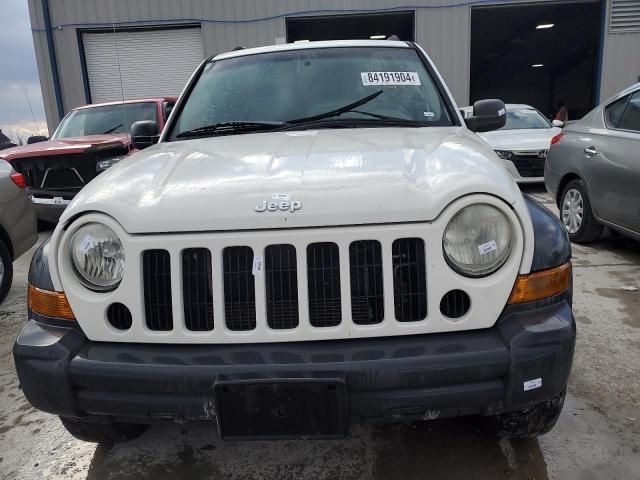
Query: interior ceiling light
x=544, y=26
x=378, y=37
x=537, y=65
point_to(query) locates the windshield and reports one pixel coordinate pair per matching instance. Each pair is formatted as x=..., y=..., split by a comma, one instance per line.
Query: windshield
x=525, y=118
x=299, y=84
x=107, y=119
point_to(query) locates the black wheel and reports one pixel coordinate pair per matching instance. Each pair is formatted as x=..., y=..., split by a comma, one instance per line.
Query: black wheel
x=530, y=422
x=105, y=433
x=576, y=213
x=6, y=271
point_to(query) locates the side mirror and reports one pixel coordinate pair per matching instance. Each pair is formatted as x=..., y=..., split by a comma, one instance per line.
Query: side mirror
x=558, y=123
x=488, y=115
x=144, y=134
x=36, y=139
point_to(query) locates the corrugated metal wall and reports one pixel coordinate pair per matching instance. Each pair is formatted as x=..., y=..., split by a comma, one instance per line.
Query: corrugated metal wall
x=444, y=31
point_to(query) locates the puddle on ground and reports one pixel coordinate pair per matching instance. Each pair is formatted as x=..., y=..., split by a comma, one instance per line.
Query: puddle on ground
x=629, y=304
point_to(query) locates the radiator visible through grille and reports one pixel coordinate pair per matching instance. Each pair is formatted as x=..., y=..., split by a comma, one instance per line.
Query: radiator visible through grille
x=156, y=272
x=197, y=289
x=323, y=278
x=281, y=275
x=365, y=265
x=239, y=288
x=409, y=280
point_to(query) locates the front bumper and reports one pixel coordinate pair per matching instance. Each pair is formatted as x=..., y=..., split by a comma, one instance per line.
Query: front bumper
x=513, y=170
x=386, y=379
x=49, y=205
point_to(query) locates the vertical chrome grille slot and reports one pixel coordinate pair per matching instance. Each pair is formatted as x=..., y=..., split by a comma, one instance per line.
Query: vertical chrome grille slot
x=365, y=265
x=156, y=274
x=409, y=280
x=239, y=288
x=281, y=276
x=323, y=275
x=197, y=289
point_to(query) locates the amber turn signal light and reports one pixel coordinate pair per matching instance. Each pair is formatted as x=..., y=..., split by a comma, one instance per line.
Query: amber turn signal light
x=539, y=285
x=49, y=304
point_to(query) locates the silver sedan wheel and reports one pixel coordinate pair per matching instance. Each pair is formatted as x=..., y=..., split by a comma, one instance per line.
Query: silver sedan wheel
x=572, y=210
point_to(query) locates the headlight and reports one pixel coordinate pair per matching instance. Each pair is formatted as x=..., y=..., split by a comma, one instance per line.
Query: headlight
x=102, y=165
x=97, y=257
x=477, y=240
x=504, y=154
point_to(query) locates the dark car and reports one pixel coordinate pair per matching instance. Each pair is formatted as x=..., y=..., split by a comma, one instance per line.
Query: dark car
x=88, y=141
x=593, y=169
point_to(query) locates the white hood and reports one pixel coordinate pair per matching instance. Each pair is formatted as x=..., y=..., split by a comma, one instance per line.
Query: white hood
x=530, y=139
x=339, y=176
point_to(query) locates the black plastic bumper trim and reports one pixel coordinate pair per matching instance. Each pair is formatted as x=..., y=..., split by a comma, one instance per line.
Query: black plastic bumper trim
x=423, y=376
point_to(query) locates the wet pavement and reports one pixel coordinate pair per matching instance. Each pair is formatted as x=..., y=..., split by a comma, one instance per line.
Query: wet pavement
x=597, y=436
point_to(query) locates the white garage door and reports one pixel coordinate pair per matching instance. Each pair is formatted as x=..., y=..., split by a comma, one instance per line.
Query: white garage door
x=151, y=62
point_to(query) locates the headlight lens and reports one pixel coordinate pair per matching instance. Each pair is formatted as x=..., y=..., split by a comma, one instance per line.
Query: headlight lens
x=102, y=165
x=504, y=154
x=97, y=256
x=478, y=240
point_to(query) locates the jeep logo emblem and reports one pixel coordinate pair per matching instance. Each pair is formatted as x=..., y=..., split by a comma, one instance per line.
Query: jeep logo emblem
x=274, y=206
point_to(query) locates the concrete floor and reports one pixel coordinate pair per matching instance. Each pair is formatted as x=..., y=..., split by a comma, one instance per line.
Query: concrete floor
x=597, y=436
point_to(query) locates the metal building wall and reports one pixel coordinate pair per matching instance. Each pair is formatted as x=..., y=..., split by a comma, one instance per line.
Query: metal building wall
x=443, y=29
x=620, y=60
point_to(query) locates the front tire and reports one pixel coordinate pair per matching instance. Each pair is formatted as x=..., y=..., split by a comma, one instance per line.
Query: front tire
x=6, y=271
x=104, y=433
x=576, y=213
x=530, y=422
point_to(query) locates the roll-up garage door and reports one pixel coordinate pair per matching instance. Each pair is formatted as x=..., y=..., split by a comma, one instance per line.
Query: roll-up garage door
x=141, y=63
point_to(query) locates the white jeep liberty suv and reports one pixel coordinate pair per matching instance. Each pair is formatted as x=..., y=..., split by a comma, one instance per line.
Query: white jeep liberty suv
x=318, y=238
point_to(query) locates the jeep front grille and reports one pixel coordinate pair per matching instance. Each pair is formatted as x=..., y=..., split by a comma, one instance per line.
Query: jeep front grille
x=282, y=283
x=239, y=288
x=158, y=307
x=367, y=296
x=281, y=275
x=409, y=280
x=197, y=289
x=323, y=278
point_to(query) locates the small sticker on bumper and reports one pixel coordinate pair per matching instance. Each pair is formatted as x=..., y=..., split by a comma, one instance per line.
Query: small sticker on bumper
x=532, y=384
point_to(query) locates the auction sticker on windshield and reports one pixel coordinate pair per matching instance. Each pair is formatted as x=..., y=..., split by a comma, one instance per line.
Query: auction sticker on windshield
x=390, y=78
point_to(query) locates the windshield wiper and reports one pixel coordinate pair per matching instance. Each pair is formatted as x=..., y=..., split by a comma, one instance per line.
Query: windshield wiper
x=338, y=111
x=232, y=126
x=112, y=129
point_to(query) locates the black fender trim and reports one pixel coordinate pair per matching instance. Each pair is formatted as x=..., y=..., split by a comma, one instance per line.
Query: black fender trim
x=39, y=275
x=552, y=247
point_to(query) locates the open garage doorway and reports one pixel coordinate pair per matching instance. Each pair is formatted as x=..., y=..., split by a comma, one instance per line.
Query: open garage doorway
x=351, y=26
x=538, y=54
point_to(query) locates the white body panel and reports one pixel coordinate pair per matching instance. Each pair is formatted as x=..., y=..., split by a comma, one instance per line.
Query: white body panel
x=518, y=140
x=341, y=177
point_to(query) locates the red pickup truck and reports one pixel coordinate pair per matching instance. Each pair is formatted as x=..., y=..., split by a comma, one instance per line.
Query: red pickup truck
x=88, y=140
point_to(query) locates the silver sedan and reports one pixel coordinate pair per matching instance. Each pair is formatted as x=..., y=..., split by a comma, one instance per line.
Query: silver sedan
x=593, y=169
x=18, y=230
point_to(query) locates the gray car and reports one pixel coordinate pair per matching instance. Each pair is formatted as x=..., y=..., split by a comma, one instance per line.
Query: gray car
x=18, y=226
x=593, y=169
